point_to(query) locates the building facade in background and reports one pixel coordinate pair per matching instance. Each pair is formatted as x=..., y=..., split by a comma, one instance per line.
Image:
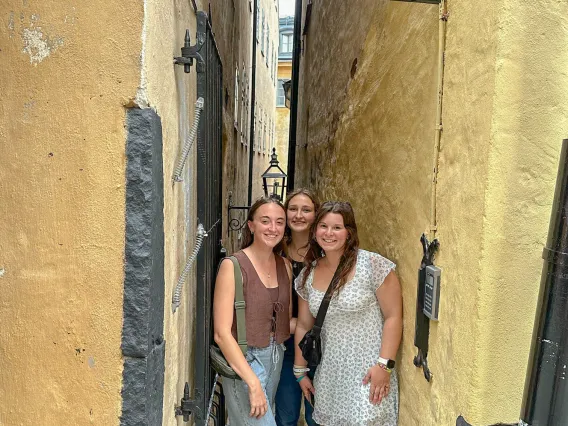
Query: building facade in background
x=286, y=35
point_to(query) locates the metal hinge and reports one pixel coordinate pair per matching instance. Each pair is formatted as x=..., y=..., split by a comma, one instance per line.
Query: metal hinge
x=189, y=52
x=188, y=406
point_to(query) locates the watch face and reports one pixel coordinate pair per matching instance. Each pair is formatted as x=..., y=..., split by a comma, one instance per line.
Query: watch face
x=390, y=364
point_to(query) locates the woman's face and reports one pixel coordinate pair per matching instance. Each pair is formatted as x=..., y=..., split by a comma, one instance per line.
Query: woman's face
x=331, y=233
x=268, y=224
x=301, y=213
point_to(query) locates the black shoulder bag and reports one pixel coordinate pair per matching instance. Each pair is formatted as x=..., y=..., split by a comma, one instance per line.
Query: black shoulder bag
x=310, y=345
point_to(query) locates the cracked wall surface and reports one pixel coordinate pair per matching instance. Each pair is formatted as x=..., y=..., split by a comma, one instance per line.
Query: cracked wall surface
x=67, y=70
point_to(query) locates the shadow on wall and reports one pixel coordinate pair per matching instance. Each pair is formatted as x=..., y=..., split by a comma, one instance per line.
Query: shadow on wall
x=461, y=422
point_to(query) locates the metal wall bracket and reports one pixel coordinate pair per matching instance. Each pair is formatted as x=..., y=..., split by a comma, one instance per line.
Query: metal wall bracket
x=235, y=223
x=189, y=52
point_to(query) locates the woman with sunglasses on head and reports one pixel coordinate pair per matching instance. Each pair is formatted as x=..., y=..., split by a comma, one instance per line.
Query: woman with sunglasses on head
x=301, y=206
x=355, y=382
x=267, y=289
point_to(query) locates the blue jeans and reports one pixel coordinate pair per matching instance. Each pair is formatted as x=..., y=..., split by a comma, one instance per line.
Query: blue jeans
x=266, y=364
x=289, y=394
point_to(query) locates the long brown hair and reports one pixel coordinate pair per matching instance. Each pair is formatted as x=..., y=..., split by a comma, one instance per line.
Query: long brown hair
x=298, y=191
x=349, y=256
x=248, y=238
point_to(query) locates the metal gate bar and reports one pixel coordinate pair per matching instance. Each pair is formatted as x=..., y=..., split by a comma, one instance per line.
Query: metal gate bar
x=209, y=193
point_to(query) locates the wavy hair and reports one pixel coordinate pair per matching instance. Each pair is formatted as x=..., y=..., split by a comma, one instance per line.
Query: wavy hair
x=248, y=238
x=349, y=256
x=299, y=191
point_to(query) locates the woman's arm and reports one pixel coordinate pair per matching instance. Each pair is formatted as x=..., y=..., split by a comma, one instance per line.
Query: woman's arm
x=304, y=324
x=290, y=278
x=223, y=308
x=389, y=296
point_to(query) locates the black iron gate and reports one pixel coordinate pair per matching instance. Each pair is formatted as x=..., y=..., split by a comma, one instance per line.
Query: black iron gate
x=209, y=211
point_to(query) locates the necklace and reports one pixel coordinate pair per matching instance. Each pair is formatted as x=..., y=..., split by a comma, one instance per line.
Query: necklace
x=263, y=270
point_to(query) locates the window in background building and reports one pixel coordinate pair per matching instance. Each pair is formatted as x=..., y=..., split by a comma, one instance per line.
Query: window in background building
x=262, y=34
x=259, y=140
x=286, y=43
x=275, y=68
x=280, y=97
x=264, y=137
x=253, y=142
x=271, y=138
x=273, y=61
x=257, y=20
x=236, y=121
x=267, y=41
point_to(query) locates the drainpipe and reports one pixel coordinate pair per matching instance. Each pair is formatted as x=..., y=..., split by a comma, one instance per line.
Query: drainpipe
x=252, y=99
x=294, y=101
x=443, y=18
x=546, y=389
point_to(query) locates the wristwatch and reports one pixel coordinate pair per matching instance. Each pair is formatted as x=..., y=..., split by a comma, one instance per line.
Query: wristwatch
x=387, y=364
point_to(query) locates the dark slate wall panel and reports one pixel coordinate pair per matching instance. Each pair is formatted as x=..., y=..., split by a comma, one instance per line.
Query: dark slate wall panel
x=143, y=345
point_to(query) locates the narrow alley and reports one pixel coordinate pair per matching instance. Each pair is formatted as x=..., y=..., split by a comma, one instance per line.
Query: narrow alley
x=136, y=137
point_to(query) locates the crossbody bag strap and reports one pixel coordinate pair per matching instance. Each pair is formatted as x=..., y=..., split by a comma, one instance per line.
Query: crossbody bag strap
x=327, y=298
x=240, y=306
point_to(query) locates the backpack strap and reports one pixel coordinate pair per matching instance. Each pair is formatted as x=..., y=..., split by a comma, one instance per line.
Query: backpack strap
x=240, y=306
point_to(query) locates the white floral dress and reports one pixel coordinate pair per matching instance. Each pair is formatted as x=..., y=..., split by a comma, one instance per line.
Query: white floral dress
x=351, y=343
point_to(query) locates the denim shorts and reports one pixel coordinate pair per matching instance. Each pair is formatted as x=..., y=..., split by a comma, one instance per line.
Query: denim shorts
x=266, y=364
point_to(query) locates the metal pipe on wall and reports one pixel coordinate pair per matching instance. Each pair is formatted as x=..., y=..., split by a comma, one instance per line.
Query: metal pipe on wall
x=546, y=390
x=252, y=99
x=443, y=17
x=294, y=101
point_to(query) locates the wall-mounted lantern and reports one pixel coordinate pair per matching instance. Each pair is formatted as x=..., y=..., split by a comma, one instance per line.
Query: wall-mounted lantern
x=274, y=179
x=287, y=85
x=273, y=183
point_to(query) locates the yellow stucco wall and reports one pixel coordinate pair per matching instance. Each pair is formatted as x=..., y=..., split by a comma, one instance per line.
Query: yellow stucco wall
x=504, y=119
x=529, y=121
x=62, y=139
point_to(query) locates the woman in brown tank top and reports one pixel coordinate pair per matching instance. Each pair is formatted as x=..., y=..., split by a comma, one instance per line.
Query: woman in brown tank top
x=267, y=288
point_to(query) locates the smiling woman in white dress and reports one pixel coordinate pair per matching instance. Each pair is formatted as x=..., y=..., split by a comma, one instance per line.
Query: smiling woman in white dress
x=355, y=383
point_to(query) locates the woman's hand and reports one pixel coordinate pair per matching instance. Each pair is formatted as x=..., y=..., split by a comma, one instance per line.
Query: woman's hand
x=307, y=389
x=380, y=384
x=257, y=399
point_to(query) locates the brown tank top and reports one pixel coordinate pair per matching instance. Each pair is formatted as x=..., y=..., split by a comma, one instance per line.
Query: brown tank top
x=264, y=304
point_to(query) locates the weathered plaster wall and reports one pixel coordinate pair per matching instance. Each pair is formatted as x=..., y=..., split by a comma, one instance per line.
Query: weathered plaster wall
x=62, y=139
x=325, y=75
x=503, y=123
x=529, y=121
x=172, y=94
